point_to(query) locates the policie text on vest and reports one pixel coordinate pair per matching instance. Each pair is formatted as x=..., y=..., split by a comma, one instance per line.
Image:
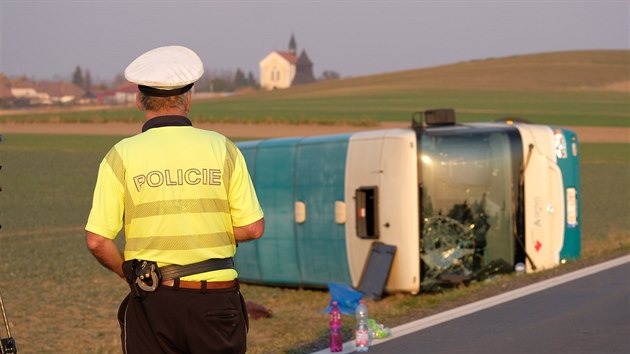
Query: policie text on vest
x=191, y=176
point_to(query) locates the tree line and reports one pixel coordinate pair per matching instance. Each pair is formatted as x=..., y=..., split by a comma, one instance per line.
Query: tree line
x=211, y=81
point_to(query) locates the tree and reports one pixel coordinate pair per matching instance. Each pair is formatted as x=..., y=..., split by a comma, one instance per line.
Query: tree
x=330, y=75
x=216, y=81
x=239, y=79
x=219, y=85
x=203, y=84
x=77, y=77
x=87, y=81
x=119, y=79
x=251, y=80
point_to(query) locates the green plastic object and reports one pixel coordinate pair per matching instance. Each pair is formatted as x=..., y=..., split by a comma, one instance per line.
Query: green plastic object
x=378, y=330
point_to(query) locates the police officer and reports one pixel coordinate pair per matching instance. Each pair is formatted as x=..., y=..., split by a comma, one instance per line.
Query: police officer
x=185, y=198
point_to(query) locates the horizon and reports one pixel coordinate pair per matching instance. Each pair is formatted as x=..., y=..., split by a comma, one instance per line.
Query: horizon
x=351, y=38
x=107, y=82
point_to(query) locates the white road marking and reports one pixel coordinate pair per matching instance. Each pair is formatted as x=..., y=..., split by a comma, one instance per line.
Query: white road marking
x=418, y=325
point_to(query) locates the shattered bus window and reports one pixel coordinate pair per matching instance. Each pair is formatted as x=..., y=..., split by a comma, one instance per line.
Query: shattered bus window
x=448, y=248
x=469, y=185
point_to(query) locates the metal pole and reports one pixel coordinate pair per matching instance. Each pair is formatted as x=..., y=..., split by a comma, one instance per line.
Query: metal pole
x=4, y=316
x=7, y=345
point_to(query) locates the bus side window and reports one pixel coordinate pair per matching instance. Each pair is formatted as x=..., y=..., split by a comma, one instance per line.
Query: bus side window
x=367, y=212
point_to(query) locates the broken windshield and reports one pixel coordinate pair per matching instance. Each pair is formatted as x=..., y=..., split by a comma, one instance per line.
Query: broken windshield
x=469, y=188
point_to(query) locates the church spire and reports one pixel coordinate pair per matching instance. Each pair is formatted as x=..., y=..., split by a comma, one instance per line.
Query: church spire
x=292, y=45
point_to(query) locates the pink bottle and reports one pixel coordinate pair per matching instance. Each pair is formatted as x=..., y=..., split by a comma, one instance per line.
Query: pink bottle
x=336, y=339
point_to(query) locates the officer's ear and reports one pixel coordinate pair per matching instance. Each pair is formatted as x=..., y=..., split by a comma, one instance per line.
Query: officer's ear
x=188, y=100
x=139, y=102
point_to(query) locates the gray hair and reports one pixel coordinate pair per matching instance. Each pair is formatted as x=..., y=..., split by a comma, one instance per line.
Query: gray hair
x=155, y=104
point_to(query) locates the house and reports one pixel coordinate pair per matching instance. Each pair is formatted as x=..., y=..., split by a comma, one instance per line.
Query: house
x=88, y=98
x=6, y=98
x=58, y=92
x=123, y=94
x=24, y=92
x=29, y=93
x=283, y=69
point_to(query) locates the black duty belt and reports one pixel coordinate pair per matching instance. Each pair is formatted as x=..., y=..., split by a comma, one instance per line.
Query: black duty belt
x=145, y=276
x=177, y=271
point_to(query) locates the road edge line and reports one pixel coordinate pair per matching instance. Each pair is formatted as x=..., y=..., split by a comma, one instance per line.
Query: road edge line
x=423, y=323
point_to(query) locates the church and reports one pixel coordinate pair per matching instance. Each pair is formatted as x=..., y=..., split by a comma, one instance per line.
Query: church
x=281, y=70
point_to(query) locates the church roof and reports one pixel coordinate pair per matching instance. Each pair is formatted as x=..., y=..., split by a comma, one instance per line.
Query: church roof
x=290, y=57
x=59, y=88
x=304, y=59
x=303, y=70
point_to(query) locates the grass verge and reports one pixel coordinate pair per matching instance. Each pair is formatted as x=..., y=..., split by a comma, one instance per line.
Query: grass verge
x=59, y=299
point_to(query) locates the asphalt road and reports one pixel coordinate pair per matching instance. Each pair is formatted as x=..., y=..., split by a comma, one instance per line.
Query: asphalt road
x=587, y=315
x=587, y=311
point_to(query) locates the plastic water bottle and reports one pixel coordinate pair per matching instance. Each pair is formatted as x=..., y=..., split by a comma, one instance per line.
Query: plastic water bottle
x=336, y=340
x=362, y=333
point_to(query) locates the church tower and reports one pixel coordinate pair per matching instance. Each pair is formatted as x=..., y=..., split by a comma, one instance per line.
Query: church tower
x=303, y=70
x=292, y=45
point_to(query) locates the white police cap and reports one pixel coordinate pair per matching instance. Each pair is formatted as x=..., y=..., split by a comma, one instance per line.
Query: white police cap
x=165, y=71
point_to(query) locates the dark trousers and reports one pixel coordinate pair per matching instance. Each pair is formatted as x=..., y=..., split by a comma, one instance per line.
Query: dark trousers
x=172, y=320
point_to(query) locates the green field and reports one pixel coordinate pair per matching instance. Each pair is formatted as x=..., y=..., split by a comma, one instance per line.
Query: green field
x=565, y=88
x=59, y=299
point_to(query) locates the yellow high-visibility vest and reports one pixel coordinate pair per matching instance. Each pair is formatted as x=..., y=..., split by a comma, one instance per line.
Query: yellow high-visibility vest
x=179, y=191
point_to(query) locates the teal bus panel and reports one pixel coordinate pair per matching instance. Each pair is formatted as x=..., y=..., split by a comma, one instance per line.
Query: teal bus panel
x=568, y=163
x=275, y=187
x=246, y=259
x=320, y=181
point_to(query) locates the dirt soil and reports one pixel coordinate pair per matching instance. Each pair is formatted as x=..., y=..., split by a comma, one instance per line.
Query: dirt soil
x=259, y=131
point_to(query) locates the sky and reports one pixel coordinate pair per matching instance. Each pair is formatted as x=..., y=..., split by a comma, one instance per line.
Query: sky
x=48, y=39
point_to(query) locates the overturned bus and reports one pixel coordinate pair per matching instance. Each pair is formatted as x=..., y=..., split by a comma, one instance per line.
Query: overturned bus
x=450, y=200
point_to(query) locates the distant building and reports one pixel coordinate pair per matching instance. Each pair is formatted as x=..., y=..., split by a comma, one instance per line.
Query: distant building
x=27, y=93
x=124, y=94
x=283, y=69
x=24, y=92
x=58, y=92
x=6, y=98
